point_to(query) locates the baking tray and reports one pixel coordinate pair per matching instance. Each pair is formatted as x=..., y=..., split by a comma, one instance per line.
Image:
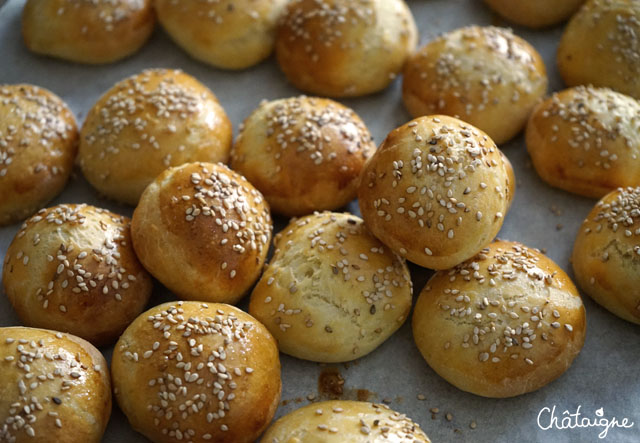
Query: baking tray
x=604, y=377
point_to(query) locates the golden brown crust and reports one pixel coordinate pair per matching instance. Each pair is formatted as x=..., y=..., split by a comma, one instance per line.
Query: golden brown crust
x=601, y=46
x=344, y=48
x=536, y=13
x=72, y=268
x=38, y=143
x=511, y=178
x=304, y=154
x=586, y=140
x=338, y=421
x=230, y=34
x=486, y=76
x=332, y=292
x=147, y=123
x=53, y=387
x=606, y=253
x=203, y=231
x=87, y=31
x=206, y=373
x=504, y=323
x=436, y=191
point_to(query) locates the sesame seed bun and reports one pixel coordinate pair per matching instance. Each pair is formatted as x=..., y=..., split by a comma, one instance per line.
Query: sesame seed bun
x=38, y=143
x=600, y=46
x=203, y=231
x=85, y=31
x=586, y=140
x=230, y=34
x=436, y=191
x=147, y=123
x=344, y=48
x=72, y=268
x=537, y=13
x=606, y=254
x=506, y=322
x=304, y=154
x=55, y=387
x=332, y=292
x=338, y=421
x=188, y=371
x=486, y=76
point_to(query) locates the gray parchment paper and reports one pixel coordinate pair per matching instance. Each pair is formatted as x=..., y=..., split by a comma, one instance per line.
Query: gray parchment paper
x=605, y=375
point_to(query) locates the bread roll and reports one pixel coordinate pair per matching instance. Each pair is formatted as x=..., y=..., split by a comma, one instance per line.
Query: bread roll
x=535, y=13
x=586, y=140
x=601, y=46
x=339, y=421
x=505, y=322
x=195, y=372
x=55, y=388
x=38, y=143
x=344, y=48
x=203, y=231
x=332, y=292
x=230, y=34
x=87, y=31
x=304, y=154
x=486, y=76
x=72, y=268
x=147, y=123
x=606, y=253
x=436, y=191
